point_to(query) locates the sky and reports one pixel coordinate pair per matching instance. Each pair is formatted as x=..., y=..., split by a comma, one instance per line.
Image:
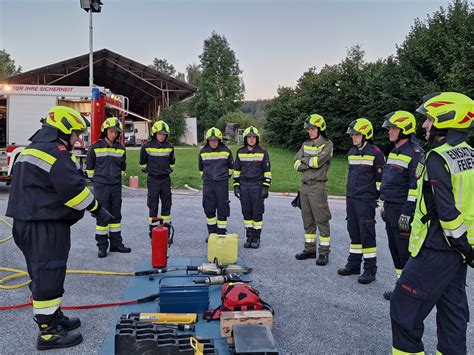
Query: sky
x=275, y=41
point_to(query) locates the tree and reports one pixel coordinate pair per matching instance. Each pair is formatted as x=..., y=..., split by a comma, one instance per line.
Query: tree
x=175, y=116
x=336, y=92
x=181, y=76
x=437, y=53
x=7, y=65
x=435, y=56
x=163, y=66
x=255, y=108
x=244, y=120
x=221, y=88
x=193, y=74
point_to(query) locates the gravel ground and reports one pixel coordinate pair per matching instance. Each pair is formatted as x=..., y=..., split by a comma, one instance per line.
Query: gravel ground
x=316, y=311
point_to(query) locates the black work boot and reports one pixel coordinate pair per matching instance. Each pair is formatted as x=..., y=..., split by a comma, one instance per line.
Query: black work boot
x=249, y=236
x=322, y=260
x=119, y=249
x=387, y=295
x=256, y=239
x=346, y=271
x=68, y=323
x=309, y=252
x=323, y=257
x=221, y=231
x=306, y=255
x=54, y=336
x=366, y=277
x=102, y=244
x=211, y=229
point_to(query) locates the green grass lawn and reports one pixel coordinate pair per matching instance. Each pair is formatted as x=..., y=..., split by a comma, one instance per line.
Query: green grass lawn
x=285, y=178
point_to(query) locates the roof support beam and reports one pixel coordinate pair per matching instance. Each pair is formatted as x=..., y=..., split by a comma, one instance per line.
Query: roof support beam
x=72, y=73
x=128, y=71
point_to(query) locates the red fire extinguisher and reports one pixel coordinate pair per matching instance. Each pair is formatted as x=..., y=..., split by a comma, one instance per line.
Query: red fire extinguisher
x=160, y=241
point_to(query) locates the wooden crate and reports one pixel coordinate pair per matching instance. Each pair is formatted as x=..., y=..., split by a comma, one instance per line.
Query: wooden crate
x=229, y=319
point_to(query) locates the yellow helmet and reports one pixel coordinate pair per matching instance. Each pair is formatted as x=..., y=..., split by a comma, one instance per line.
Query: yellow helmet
x=316, y=121
x=448, y=110
x=251, y=132
x=401, y=119
x=361, y=126
x=66, y=120
x=111, y=122
x=213, y=133
x=160, y=127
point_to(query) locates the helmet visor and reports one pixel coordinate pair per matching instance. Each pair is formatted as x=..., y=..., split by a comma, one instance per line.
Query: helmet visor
x=351, y=130
x=84, y=129
x=387, y=124
x=307, y=123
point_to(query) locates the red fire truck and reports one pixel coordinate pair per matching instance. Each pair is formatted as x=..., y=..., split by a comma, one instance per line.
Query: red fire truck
x=22, y=106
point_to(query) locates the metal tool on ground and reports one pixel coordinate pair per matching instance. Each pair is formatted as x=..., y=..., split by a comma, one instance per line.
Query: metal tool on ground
x=215, y=268
x=175, y=318
x=219, y=280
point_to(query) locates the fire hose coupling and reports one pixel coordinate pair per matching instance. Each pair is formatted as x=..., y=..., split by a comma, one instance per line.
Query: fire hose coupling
x=151, y=272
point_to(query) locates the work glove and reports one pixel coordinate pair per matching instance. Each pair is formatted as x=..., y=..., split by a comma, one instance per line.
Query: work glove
x=461, y=244
x=103, y=215
x=264, y=193
x=404, y=223
x=382, y=213
x=237, y=191
x=296, y=201
x=469, y=258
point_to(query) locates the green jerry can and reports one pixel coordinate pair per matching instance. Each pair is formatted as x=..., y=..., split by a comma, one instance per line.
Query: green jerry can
x=223, y=247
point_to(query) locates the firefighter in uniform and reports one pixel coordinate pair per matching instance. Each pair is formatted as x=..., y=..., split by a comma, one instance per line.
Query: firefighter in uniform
x=106, y=160
x=313, y=161
x=398, y=190
x=47, y=196
x=157, y=160
x=366, y=163
x=442, y=233
x=252, y=179
x=215, y=166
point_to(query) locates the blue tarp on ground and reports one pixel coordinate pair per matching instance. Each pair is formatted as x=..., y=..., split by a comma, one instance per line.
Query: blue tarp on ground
x=142, y=286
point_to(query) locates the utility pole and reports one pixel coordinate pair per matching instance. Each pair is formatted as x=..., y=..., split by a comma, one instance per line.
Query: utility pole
x=91, y=6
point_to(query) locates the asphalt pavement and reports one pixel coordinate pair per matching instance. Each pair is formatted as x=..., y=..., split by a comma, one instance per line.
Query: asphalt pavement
x=316, y=310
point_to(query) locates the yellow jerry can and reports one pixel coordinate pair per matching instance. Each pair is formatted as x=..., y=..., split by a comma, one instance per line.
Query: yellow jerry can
x=223, y=247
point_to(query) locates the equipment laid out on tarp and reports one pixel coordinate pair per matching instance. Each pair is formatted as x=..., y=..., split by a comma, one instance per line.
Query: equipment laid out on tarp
x=135, y=337
x=170, y=324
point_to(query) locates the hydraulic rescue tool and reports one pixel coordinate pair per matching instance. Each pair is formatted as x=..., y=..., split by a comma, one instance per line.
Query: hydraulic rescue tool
x=206, y=268
x=162, y=318
x=218, y=269
x=219, y=280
